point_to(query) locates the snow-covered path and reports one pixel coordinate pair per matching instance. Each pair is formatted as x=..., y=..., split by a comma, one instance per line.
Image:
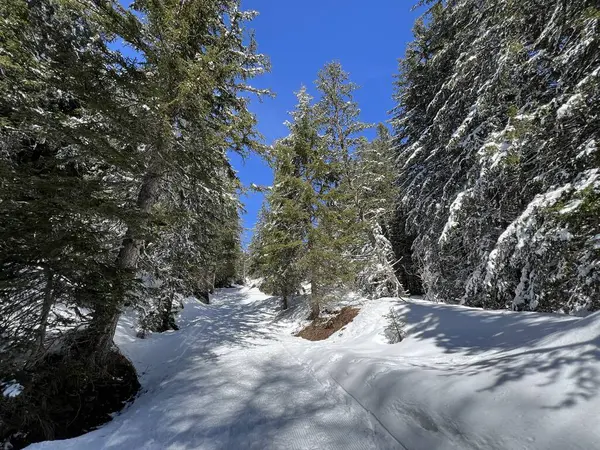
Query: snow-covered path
x=227, y=380
x=234, y=377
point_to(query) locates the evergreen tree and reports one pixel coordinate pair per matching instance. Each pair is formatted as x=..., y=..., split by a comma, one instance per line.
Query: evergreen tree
x=338, y=116
x=375, y=178
x=67, y=150
x=99, y=148
x=325, y=216
x=279, y=245
x=195, y=64
x=190, y=252
x=496, y=127
x=334, y=241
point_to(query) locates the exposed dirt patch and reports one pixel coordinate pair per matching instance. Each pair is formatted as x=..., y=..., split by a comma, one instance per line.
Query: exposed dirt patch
x=322, y=328
x=65, y=398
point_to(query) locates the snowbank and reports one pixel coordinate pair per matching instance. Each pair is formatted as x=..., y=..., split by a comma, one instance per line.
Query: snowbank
x=469, y=379
x=224, y=381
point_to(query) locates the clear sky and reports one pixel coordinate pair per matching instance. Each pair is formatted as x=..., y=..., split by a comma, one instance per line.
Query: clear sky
x=299, y=37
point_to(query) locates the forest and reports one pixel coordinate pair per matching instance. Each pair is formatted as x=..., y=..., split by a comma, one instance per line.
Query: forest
x=118, y=195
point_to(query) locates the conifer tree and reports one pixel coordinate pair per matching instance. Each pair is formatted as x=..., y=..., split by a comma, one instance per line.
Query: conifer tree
x=196, y=63
x=98, y=148
x=497, y=130
x=279, y=246
x=326, y=216
x=375, y=178
x=339, y=120
x=335, y=239
x=68, y=148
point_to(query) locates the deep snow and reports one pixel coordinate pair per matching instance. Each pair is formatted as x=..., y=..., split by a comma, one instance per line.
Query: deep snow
x=234, y=377
x=471, y=379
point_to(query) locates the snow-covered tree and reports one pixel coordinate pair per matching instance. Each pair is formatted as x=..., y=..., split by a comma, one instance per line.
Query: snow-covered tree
x=362, y=191
x=68, y=152
x=280, y=244
x=196, y=63
x=325, y=219
x=497, y=135
x=190, y=252
x=115, y=167
x=376, y=193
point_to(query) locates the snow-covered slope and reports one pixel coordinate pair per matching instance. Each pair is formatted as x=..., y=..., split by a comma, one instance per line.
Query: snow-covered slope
x=234, y=377
x=471, y=379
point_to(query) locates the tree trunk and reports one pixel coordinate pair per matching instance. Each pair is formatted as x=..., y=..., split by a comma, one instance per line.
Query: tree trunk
x=406, y=270
x=130, y=250
x=46, y=307
x=102, y=330
x=284, y=302
x=203, y=295
x=315, y=307
x=315, y=301
x=106, y=315
x=168, y=322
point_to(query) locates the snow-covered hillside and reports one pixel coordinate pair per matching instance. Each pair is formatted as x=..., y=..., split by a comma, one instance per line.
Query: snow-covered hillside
x=234, y=377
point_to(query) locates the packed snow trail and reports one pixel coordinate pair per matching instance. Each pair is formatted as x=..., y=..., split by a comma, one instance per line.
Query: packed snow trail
x=225, y=380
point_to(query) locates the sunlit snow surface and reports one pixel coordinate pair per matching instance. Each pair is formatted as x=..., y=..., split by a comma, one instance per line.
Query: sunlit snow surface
x=234, y=377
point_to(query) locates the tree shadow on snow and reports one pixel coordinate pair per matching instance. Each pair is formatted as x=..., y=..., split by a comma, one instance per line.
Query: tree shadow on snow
x=215, y=384
x=213, y=407
x=515, y=346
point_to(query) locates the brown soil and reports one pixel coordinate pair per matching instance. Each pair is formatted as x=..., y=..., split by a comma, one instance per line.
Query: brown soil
x=65, y=399
x=322, y=328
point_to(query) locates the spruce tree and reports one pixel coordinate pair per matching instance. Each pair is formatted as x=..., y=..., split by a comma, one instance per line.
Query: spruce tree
x=334, y=241
x=98, y=148
x=67, y=155
x=279, y=246
x=326, y=218
x=375, y=178
x=496, y=128
x=196, y=63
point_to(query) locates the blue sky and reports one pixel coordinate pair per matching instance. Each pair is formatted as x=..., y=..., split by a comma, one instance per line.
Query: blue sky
x=300, y=37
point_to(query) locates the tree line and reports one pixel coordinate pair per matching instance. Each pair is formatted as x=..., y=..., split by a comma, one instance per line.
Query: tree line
x=497, y=135
x=487, y=193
